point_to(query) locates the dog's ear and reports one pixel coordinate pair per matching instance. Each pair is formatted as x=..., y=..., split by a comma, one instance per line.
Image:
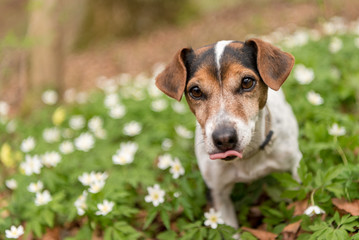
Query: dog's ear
x=172, y=80
x=273, y=64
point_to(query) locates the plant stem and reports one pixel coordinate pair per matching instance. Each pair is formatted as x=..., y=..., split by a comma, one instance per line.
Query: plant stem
x=340, y=151
x=312, y=197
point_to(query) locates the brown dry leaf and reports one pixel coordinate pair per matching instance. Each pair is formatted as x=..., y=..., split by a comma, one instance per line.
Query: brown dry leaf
x=348, y=207
x=290, y=231
x=52, y=234
x=299, y=207
x=260, y=234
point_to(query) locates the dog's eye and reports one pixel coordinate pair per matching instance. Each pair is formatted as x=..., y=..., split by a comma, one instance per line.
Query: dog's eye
x=196, y=93
x=248, y=84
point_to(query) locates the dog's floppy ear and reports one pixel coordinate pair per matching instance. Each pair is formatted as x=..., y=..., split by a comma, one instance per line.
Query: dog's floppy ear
x=172, y=80
x=273, y=64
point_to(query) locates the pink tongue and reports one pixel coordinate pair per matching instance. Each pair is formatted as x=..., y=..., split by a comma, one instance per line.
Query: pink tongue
x=225, y=154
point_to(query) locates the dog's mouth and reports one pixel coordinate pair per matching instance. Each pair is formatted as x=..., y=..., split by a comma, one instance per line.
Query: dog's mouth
x=228, y=155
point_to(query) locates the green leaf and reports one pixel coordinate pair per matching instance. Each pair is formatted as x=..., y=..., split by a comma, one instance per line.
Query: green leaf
x=36, y=228
x=150, y=217
x=108, y=233
x=248, y=236
x=85, y=232
x=214, y=234
x=167, y=235
x=190, y=234
x=332, y=173
x=286, y=180
x=48, y=216
x=165, y=219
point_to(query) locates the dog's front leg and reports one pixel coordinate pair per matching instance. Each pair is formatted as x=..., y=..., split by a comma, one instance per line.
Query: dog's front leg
x=223, y=204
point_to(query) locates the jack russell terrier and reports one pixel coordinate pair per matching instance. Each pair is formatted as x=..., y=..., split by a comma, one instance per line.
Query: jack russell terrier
x=245, y=130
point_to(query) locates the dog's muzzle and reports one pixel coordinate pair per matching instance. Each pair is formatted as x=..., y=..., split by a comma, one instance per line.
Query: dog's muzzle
x=225, y=139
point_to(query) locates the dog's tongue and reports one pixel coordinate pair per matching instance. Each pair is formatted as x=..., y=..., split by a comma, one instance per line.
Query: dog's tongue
x=225, y=154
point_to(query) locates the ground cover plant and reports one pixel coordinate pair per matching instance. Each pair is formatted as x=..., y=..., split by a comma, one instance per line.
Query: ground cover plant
x=118, y=162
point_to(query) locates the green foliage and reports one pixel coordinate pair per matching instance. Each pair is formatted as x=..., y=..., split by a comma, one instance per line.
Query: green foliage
x=329, y=168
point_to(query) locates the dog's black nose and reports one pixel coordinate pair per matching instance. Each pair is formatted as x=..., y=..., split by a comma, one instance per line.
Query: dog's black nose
x=225, y=138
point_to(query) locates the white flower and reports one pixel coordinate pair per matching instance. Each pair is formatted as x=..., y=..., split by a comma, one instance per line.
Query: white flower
x=153, y=91
x=67, y=133
x=117, y=112
x=183, y=132
x=4, y=109
x=27, y=144
x=51, y=135
x=96, y=186
x=85, y=179
x=166, y=144
x=51, y=159
x=334, y=25
x=70, y=95
x=313, y=210
x=356, y=43
x=99, y=176
x=14, y=232
x=49, y=97
x=11, y=184
x=159, y=105
x=176, y=168
x=176, y=194
x=35, y=187
x=108, y=85
x=90, y=178
x=104, y=208
x=314, y=98
x=111, y=100
x=81, y=97
x=77, y=122
x=179, y=107
x=11, y=126
x=100, y=133
x=303, y=75
x=31, y=165
x=298, y=38
x=335, y=72
x=335, y=45
x=136, y=93
x=132, y=128
x=85, y=142
x=42, y=198
x=164, y=161
x=66, y=147
x=95, y=123
x=80, y=203
x=213, y=218
x=125, y=154
x=155, y=195
x=335, y=130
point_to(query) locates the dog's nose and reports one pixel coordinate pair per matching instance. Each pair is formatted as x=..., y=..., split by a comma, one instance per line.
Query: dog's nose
x=225, y=138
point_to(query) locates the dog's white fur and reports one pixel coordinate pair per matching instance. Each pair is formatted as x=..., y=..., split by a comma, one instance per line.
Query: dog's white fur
x=284, y=154
x=218, y=51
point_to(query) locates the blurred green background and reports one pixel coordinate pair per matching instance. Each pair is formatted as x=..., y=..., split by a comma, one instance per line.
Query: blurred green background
x=62, y=44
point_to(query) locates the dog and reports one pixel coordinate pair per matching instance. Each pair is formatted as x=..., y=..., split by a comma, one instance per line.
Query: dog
x=245, y=128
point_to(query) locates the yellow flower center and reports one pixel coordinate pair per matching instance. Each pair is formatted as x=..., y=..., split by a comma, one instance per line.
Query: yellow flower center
x=213, y=219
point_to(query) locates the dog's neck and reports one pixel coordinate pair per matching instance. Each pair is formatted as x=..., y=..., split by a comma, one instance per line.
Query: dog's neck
x=262, y=133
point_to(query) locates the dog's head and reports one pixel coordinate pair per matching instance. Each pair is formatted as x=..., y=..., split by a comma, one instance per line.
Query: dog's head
x=226, y=85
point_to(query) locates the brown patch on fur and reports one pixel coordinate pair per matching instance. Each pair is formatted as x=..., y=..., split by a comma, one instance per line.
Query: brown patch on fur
x=205, y=108
x=273, y=64
x=243, y=105
x=172, y=81
x=201, y=50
